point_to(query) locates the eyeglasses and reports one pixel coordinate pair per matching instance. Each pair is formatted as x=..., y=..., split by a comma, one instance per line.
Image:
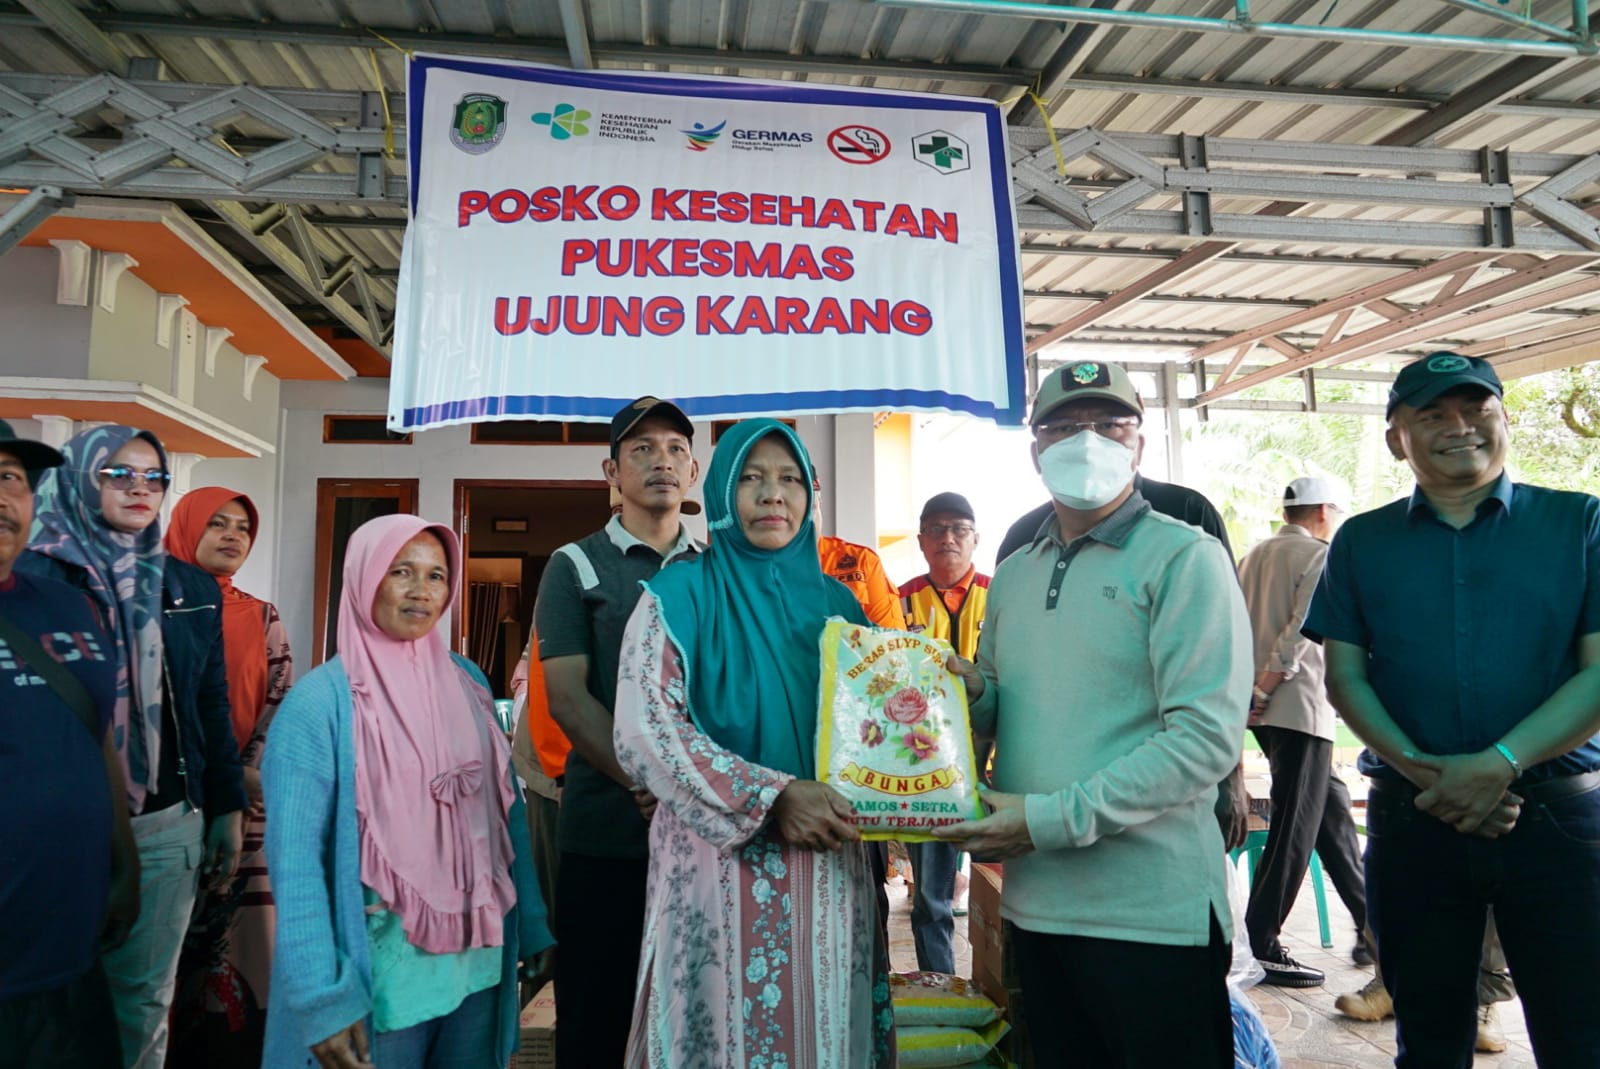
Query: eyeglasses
x=123, y=477
x=1110, y=427
x=939, y=530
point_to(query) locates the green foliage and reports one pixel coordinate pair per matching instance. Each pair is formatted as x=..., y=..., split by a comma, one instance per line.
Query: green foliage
x=1243, y=460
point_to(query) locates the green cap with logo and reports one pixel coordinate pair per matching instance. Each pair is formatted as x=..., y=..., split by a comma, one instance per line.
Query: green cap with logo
x=1420, y=382
x=1080, y=381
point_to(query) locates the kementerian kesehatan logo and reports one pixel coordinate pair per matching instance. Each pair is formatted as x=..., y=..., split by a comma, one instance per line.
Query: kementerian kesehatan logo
x=702, y=137
x=479, y=123
x=564, y=121
x=941, y=150
x=1445, y=363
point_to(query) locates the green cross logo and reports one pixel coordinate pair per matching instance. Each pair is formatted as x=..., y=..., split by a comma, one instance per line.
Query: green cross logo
x=941, y=150
x=564, y=122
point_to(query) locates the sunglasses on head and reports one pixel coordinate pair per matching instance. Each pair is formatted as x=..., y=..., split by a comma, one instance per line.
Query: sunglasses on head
x=122, y=477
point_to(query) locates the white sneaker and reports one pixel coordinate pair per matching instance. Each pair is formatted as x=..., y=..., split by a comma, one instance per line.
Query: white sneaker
x=1490, y=1039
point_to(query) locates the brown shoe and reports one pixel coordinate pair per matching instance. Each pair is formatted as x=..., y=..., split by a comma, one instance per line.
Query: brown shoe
x=1490, y=1039
x=1371, y=1003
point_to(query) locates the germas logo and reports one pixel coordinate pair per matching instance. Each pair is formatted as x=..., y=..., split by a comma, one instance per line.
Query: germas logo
x=564, y=122
x=790, y=137
x=702, y=137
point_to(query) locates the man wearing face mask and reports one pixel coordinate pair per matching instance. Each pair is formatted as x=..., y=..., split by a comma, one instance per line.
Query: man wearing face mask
x=1114, y=674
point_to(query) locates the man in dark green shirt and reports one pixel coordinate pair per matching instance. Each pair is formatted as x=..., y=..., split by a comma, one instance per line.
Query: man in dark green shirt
x=587, y=593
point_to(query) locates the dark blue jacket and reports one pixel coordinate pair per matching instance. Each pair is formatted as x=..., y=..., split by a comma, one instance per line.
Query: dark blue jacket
x=196, y=676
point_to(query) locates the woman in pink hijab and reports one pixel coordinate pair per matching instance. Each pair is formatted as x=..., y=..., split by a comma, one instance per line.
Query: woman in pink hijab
x=404, y=905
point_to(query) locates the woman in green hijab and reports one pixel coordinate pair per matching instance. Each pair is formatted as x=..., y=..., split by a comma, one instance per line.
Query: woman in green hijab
x=761, y=943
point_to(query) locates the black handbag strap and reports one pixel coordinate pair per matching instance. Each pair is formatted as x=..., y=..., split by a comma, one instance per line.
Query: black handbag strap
x=64, y=683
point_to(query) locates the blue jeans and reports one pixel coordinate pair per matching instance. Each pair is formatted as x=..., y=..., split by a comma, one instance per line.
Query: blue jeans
x=464, y=1038
x=1429, y=889
x=933, y=926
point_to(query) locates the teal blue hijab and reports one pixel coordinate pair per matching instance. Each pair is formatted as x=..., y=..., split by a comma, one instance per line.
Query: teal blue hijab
x=747, y=620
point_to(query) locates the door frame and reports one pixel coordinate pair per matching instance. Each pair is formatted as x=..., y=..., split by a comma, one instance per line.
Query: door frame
x=462, y=521
x=328, y=493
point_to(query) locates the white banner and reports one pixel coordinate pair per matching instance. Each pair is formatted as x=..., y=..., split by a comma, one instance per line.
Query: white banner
x=578, y=239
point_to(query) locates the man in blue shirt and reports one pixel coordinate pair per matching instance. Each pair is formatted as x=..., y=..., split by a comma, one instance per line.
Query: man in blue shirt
x=1462, y=627
x=69, y=870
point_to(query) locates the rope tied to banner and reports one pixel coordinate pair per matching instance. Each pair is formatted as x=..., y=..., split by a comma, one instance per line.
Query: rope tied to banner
x=1032, y=93
x=383, y=90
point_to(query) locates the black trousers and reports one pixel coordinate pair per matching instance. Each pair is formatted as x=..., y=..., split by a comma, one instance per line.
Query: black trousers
x=1091, y=1003
x=1310, y=808
x=68, y=1027
x=599, y=928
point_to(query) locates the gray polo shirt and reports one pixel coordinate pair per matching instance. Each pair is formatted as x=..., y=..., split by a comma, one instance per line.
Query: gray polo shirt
x=587, y=593
x=1118, y=672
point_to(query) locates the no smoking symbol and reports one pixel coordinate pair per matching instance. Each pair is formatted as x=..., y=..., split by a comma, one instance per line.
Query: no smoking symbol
x=858, y=144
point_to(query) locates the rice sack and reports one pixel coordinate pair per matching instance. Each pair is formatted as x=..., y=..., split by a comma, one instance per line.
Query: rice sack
x=893, y=733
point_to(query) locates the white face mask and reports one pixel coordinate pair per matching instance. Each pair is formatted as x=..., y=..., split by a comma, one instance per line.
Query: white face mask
x=1087, y=470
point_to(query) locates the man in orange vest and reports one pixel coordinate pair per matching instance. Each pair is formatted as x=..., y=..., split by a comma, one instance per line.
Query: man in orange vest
x=947, y=603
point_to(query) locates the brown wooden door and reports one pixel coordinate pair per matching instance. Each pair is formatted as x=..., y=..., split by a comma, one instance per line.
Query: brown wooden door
x=342, y=506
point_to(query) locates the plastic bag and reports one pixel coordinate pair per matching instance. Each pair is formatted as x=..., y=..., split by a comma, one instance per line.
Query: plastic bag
x=893, y=733
x=1245, y=972
x=1252, y=1046
x=936, y=998
x=938, y=1048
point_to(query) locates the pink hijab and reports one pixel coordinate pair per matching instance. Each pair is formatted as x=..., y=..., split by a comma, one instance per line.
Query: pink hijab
x=434, y=843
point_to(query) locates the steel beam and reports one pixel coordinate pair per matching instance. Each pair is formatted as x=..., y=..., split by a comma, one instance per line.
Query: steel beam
x=310, y=275
x=1372, y=233
x=176, y=148
x=79, y=34
x=1170, y=298
x=1354, y=299
x=1237, y=256
x=1491, y=89
x=575, y=25
x=1248, y=27
x=22, y=217
x=1317, y=96
x=1505, y=14
x=1426, y=322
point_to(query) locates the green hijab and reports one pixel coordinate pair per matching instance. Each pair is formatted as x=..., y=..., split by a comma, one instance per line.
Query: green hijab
x=746, y=620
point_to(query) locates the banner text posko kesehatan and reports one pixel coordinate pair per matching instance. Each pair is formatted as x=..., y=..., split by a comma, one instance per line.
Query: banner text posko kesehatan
x=641, y=257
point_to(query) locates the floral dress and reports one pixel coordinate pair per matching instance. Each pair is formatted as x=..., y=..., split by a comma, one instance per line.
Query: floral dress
x=756, y=954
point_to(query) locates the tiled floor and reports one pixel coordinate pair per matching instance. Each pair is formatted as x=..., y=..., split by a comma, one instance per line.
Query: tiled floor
x=1308, y=1031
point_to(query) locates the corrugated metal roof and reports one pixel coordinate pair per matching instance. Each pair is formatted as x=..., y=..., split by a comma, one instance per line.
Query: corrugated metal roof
x=1211, y=84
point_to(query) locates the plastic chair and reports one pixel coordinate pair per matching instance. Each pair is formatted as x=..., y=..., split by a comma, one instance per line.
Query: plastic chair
x=1254, y=844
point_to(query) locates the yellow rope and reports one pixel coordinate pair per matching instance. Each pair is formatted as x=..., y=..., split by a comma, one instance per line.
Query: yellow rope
x=409, y=54
x=383, y=94
x=1049, y=128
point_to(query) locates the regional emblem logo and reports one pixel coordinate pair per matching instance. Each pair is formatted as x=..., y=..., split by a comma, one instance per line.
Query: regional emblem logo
x=479, y=124
x=1084, y=374
x=1445, y=363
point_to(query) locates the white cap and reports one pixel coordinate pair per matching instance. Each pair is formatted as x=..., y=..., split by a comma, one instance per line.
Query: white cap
x=1312, y=490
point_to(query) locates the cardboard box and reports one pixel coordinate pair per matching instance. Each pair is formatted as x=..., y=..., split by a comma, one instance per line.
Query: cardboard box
x=993, y=959
x=993, y=966
x=538, y=1020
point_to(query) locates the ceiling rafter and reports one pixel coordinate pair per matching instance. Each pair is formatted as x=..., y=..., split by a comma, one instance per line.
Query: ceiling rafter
x=1429, y=321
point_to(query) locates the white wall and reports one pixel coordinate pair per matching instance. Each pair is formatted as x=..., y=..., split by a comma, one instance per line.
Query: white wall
x=42, y=338
x=438, y=458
